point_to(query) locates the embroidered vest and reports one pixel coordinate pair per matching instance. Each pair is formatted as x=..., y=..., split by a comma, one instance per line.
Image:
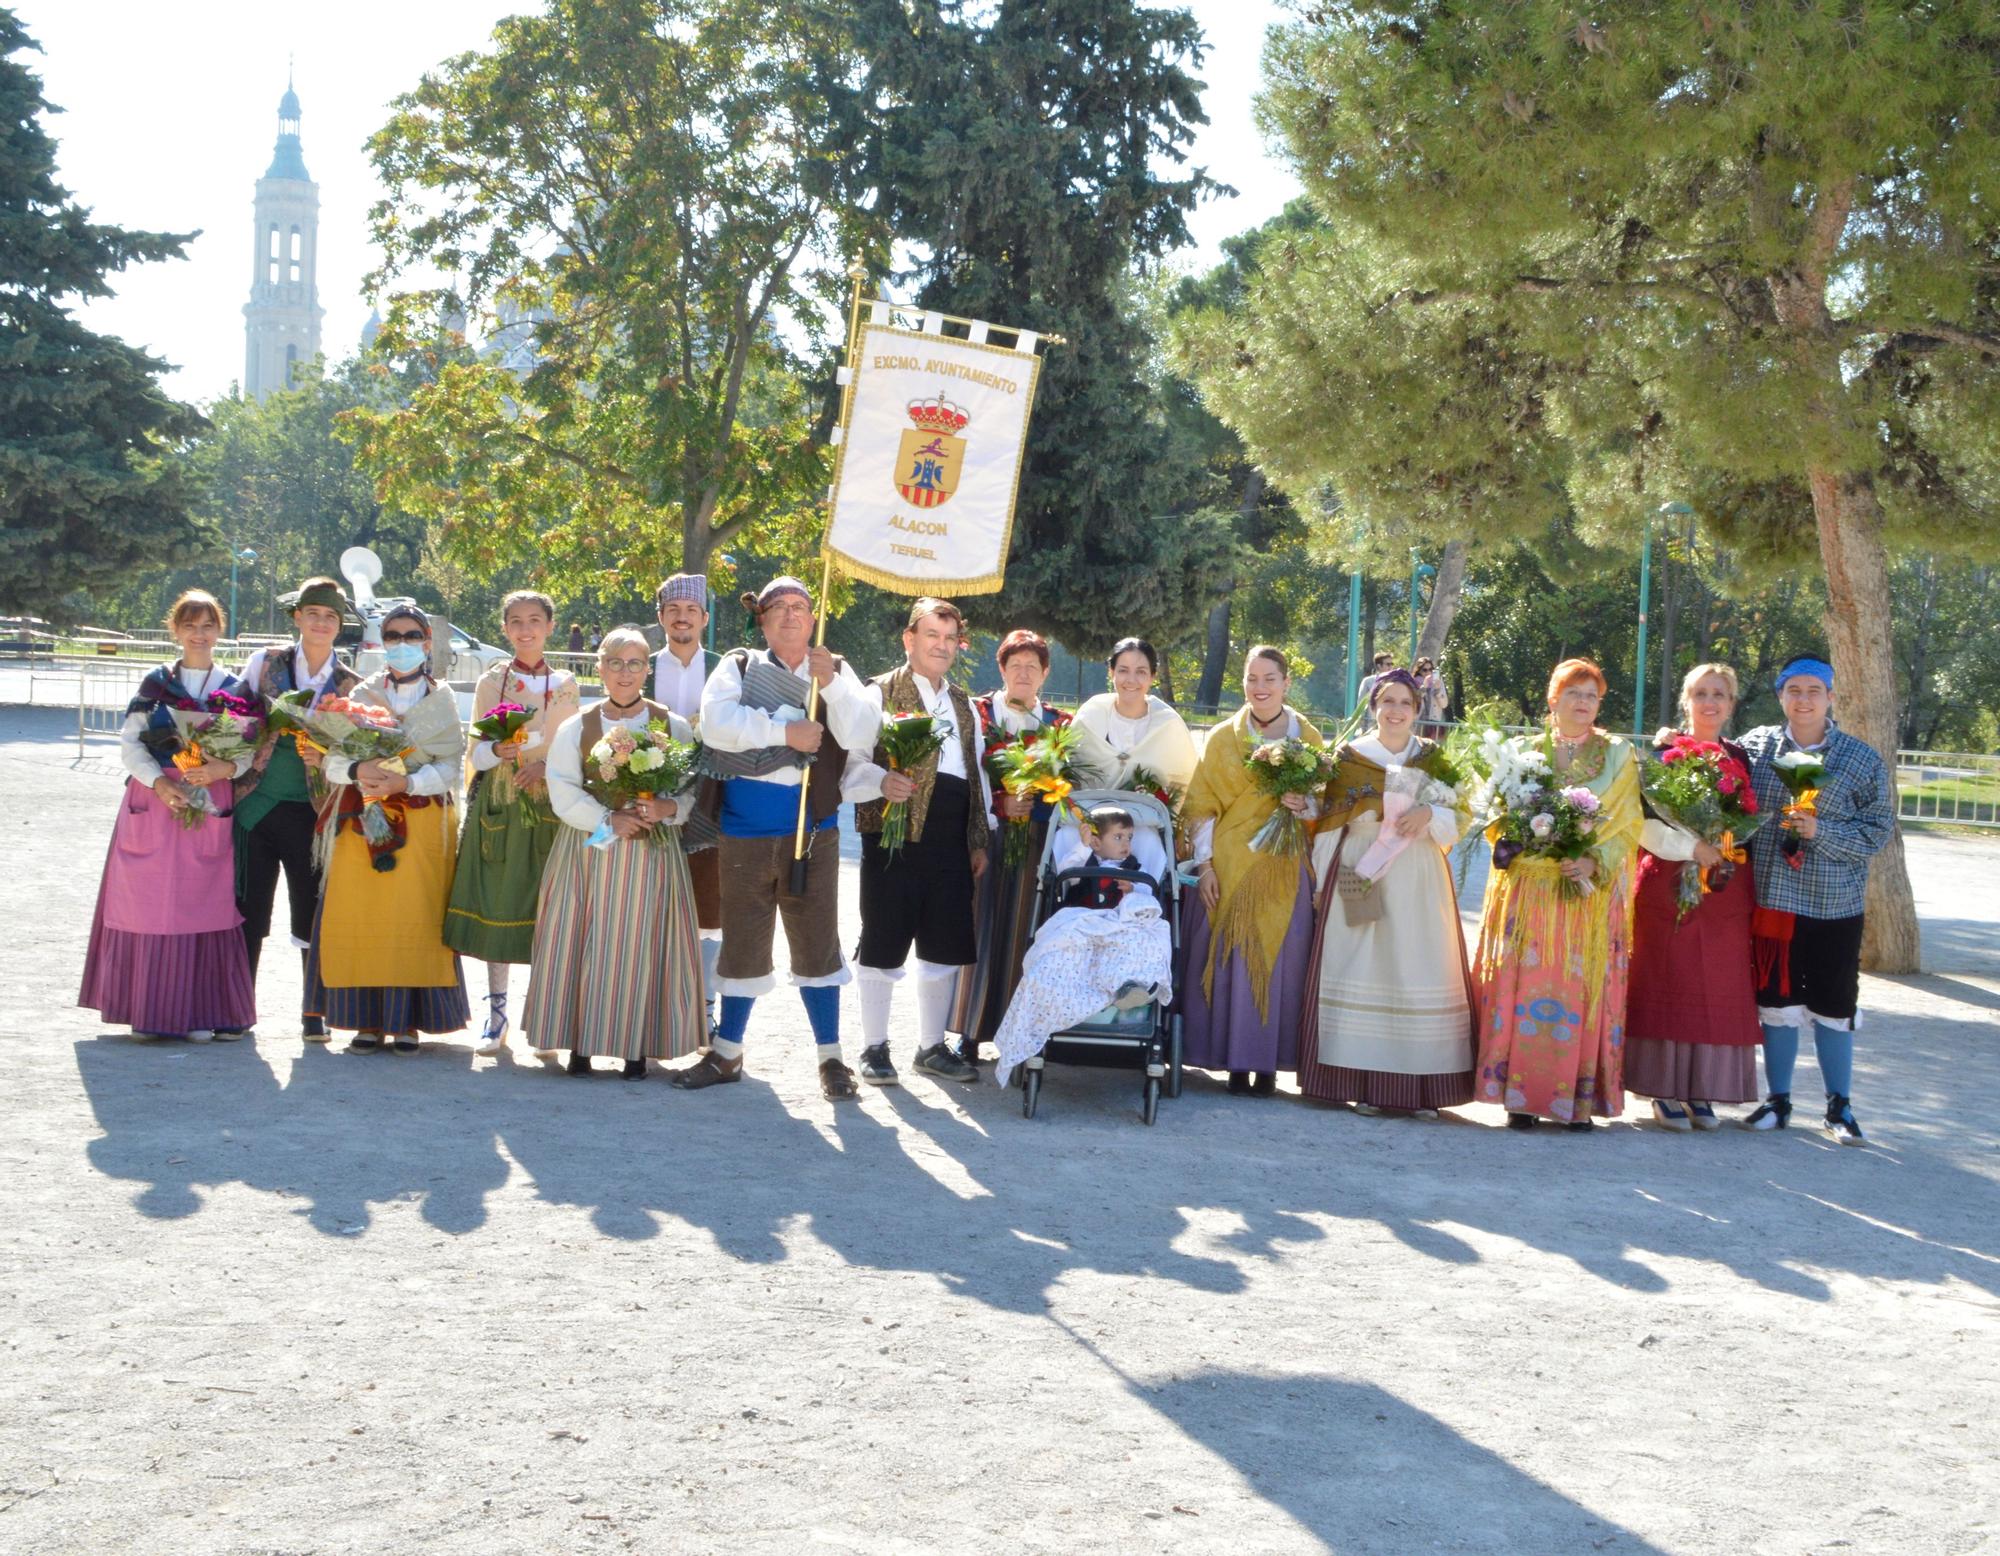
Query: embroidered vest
x=900, y=695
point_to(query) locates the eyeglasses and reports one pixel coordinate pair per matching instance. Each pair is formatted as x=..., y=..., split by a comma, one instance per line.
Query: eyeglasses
x=402, y=637
x=629, y=666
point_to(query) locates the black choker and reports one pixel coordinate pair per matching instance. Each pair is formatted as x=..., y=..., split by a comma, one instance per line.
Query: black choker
x=624, y=709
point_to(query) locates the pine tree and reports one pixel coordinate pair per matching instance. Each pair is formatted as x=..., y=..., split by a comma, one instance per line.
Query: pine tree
x=87, y=492
x=1733, y=254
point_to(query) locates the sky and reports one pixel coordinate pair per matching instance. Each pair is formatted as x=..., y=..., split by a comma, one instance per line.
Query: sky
x=170, y=111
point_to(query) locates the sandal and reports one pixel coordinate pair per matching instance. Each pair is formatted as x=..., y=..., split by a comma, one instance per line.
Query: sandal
x=708, y=1070
x=836, y=1081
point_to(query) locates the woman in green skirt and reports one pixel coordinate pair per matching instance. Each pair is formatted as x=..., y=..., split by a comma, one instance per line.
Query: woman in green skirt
x=509, y=827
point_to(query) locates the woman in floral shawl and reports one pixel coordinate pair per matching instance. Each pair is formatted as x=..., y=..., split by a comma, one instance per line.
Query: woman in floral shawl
x=1248, y=929
x=166, y=953
x=1555, y=937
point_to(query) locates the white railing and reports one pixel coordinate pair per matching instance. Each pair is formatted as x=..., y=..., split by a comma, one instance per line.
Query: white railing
x=1957, y=788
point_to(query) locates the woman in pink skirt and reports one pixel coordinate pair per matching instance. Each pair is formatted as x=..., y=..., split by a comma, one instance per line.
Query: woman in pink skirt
x=166, y=953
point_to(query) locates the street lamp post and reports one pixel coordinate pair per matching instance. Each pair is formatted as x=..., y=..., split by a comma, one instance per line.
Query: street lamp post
x=236, y=554
x=1353, y=640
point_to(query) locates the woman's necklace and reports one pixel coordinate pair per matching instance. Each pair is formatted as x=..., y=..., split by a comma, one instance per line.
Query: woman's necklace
x=1582, y=755
x=1265, y=726
x=623, y=710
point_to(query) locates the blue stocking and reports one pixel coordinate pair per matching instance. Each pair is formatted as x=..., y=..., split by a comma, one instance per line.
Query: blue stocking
x=1781, y=1056
x=823, y=1011
x=1836, y=1058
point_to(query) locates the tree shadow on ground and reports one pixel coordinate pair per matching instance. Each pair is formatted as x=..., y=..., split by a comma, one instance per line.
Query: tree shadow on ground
x=1364, y=1471
x=956, y=1184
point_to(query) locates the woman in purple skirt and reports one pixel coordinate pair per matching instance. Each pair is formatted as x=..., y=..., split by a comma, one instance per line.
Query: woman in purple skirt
x=166, y=953
x=1248, y=940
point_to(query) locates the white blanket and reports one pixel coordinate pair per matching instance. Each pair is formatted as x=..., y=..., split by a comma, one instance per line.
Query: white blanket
x=1078, y=962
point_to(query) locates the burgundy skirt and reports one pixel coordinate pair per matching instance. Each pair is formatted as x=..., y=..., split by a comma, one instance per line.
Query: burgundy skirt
x=1691, y=1028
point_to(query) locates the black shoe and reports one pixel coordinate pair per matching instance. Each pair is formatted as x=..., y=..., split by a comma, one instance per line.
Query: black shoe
x=1580, y=1126
x=1774, y=1112
x=365, y=1043
x=1239, y=1083
x=940, y=1061
x=406, y=1045
x=312, y=1029
x=1840, y=1122
x=1521, y=1121
x=876, y=1069
x=1265, y=1084
x=967, y=1049
x=635, y=1070
x=579, y=1064
x=836, y=1081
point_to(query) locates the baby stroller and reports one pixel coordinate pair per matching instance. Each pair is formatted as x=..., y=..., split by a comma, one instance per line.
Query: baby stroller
x=1148, y=1037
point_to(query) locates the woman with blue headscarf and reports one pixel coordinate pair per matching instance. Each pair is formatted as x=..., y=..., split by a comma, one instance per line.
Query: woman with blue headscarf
x=1812, y=875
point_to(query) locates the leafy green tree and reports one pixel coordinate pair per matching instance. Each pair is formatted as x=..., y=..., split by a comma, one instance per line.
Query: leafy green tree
x=87, y=496
x=1734, y=254
x=1030, y=161
x=657, y=199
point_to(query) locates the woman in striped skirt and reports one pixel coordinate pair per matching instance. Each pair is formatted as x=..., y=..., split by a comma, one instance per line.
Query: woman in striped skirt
x=617, y=955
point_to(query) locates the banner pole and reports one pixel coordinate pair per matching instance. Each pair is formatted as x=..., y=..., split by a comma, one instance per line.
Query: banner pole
x=857, y=273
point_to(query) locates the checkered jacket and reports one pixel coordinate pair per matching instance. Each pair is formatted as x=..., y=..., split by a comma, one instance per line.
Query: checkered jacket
x=1857, y=815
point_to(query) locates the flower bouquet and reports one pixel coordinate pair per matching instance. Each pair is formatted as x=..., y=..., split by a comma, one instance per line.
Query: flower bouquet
x=1547, y=823
x=629, y=765
x=1145, y=781
x=1039, y=763
x=906, y=740
x=1698, y=785
x=1403, y=789
x=501, y=723
x=1279, y=768
x=1801, y=772
x=226, y=732
x=355, y=732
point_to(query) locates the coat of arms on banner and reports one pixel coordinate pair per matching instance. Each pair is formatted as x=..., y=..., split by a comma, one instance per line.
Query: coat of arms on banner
x=929, y=461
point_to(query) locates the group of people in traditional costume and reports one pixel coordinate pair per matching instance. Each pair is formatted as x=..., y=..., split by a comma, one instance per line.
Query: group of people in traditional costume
x=650, y=925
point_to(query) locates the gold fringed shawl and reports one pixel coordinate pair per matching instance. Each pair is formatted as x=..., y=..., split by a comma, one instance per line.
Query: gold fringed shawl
x=1526, y=903
x=1356, y=788
x=1259, y=890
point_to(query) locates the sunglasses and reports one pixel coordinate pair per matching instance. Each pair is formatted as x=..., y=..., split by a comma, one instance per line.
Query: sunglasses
x=402, y=637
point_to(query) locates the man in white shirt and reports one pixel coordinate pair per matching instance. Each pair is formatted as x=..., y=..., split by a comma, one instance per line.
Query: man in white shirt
x=920, y=897
x=758, y=738
x=680, y=674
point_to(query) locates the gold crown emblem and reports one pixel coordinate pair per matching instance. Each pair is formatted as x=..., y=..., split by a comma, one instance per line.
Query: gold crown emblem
x=937, y=414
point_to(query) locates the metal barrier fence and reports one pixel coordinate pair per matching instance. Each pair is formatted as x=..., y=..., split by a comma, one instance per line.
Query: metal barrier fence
x=1959, y=788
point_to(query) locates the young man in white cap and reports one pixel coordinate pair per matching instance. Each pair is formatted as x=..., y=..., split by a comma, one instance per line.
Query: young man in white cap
x=1812, y=876
x=680, y=674
x=762, y=745
x=920, y=898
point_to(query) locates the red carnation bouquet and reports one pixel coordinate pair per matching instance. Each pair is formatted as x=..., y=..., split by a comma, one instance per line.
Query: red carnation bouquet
x=1698, y=785
x=501, y=723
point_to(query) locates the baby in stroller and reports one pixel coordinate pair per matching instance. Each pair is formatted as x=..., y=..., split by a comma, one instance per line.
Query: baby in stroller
x=1108, y=944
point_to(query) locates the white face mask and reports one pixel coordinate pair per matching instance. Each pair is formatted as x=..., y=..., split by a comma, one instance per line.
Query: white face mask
x=405, y=657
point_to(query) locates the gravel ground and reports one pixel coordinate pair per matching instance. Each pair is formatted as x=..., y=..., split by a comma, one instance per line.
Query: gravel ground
x=276, y=1299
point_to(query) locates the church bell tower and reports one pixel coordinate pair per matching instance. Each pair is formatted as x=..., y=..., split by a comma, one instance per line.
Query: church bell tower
x=282, y=318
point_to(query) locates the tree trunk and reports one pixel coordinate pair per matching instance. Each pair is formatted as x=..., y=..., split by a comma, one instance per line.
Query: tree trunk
x=1215, y=658
x=1856, y=564
x=1864, y=663
x=1446, y=591
x=1167, y=678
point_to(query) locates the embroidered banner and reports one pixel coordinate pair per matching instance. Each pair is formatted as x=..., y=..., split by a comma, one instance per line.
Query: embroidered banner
x=930, y=457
